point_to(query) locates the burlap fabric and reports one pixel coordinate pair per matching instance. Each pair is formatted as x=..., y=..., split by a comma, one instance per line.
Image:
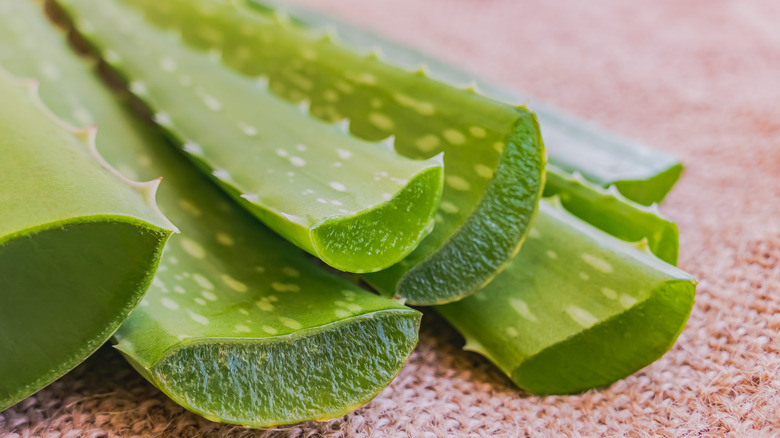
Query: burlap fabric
x=697, y=78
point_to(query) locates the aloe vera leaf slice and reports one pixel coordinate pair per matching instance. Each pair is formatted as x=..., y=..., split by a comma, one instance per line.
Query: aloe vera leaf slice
x=358, y=207
x=78, y=244
x=493, y=154
x=642, y=174
x=608, y=155
x=616, y=214
x=611, y=212
x=576, y=309
x=238, y=325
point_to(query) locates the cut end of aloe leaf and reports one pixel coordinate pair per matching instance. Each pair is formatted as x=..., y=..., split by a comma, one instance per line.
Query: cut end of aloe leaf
x=78, y=244
x=379, y=237
x=651, y=190
x=493, y=232
x=315, y=374
x=576, y=309
x=65, y=290
x=613, y=349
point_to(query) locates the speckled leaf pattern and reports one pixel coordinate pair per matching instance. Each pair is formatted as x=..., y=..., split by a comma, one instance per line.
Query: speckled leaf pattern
x=624, y=322
x=641, y=174
x=493, y=154
x=358, y=207
x=576, y=309
x=78, y=243
x=238, y=325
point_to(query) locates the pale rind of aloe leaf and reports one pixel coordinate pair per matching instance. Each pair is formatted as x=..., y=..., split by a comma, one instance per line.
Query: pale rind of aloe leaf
x=238, y=325
x=641, y=173
x=493, y=153
x=611, y=212
x=576, y=309
x=78, y=244
x=356, y=206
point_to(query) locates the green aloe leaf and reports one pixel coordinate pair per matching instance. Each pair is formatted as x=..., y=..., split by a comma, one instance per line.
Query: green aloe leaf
x=611, y=212
x=544, y=279
x=576, y=309
x=493, y=153
x=238, y=325
x=358, y=207
x=642, y=174
x=78, y=244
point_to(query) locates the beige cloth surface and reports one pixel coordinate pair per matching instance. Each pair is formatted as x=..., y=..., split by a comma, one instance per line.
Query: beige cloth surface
x=700, y=79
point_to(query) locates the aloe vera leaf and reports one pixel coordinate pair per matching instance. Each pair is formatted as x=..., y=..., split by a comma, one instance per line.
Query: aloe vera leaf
x=78, y=244
x=616, y=214
x=641, y=173
x=238, y=325
x=576, y=309
x=493, y=153
x=358, y=207
x=576, y=145
x=611, y=212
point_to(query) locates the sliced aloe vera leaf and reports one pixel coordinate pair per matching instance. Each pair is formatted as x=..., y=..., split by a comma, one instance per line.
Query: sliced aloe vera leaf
x=641, y=173
x=576, y=309
x=356, y=206
x=493, y=153
x=238, y=325
x=78, y=244
x=611, y=212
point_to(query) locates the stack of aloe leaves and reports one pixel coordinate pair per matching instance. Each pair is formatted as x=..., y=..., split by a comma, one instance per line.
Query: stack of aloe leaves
x=287, y=141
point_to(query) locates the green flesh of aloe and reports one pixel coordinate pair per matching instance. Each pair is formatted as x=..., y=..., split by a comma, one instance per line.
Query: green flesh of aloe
x=358, y=207
x=640, y=173
x=493, y=153
x=78, y=244
x=576, y=309
x=238, y=325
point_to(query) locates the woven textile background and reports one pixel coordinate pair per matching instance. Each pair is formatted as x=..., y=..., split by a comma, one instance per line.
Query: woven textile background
x=700, y=79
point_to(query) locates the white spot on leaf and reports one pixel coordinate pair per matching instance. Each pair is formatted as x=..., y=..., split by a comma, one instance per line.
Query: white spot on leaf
x=458, y=183
x=522, y=309
x=192, y=248
x=202, y=281
x=169, y=303
x=453, y=136
x=597, y=263
x=200, y=319
x=581, y=316
x=234, y=284
x=338, y=186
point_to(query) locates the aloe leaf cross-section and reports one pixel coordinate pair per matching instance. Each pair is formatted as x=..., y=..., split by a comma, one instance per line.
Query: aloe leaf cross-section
x=357, y=206
x=576, y=309
x=238, y=325
x=493, y=153
x=640, y=173
x=78, y=244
